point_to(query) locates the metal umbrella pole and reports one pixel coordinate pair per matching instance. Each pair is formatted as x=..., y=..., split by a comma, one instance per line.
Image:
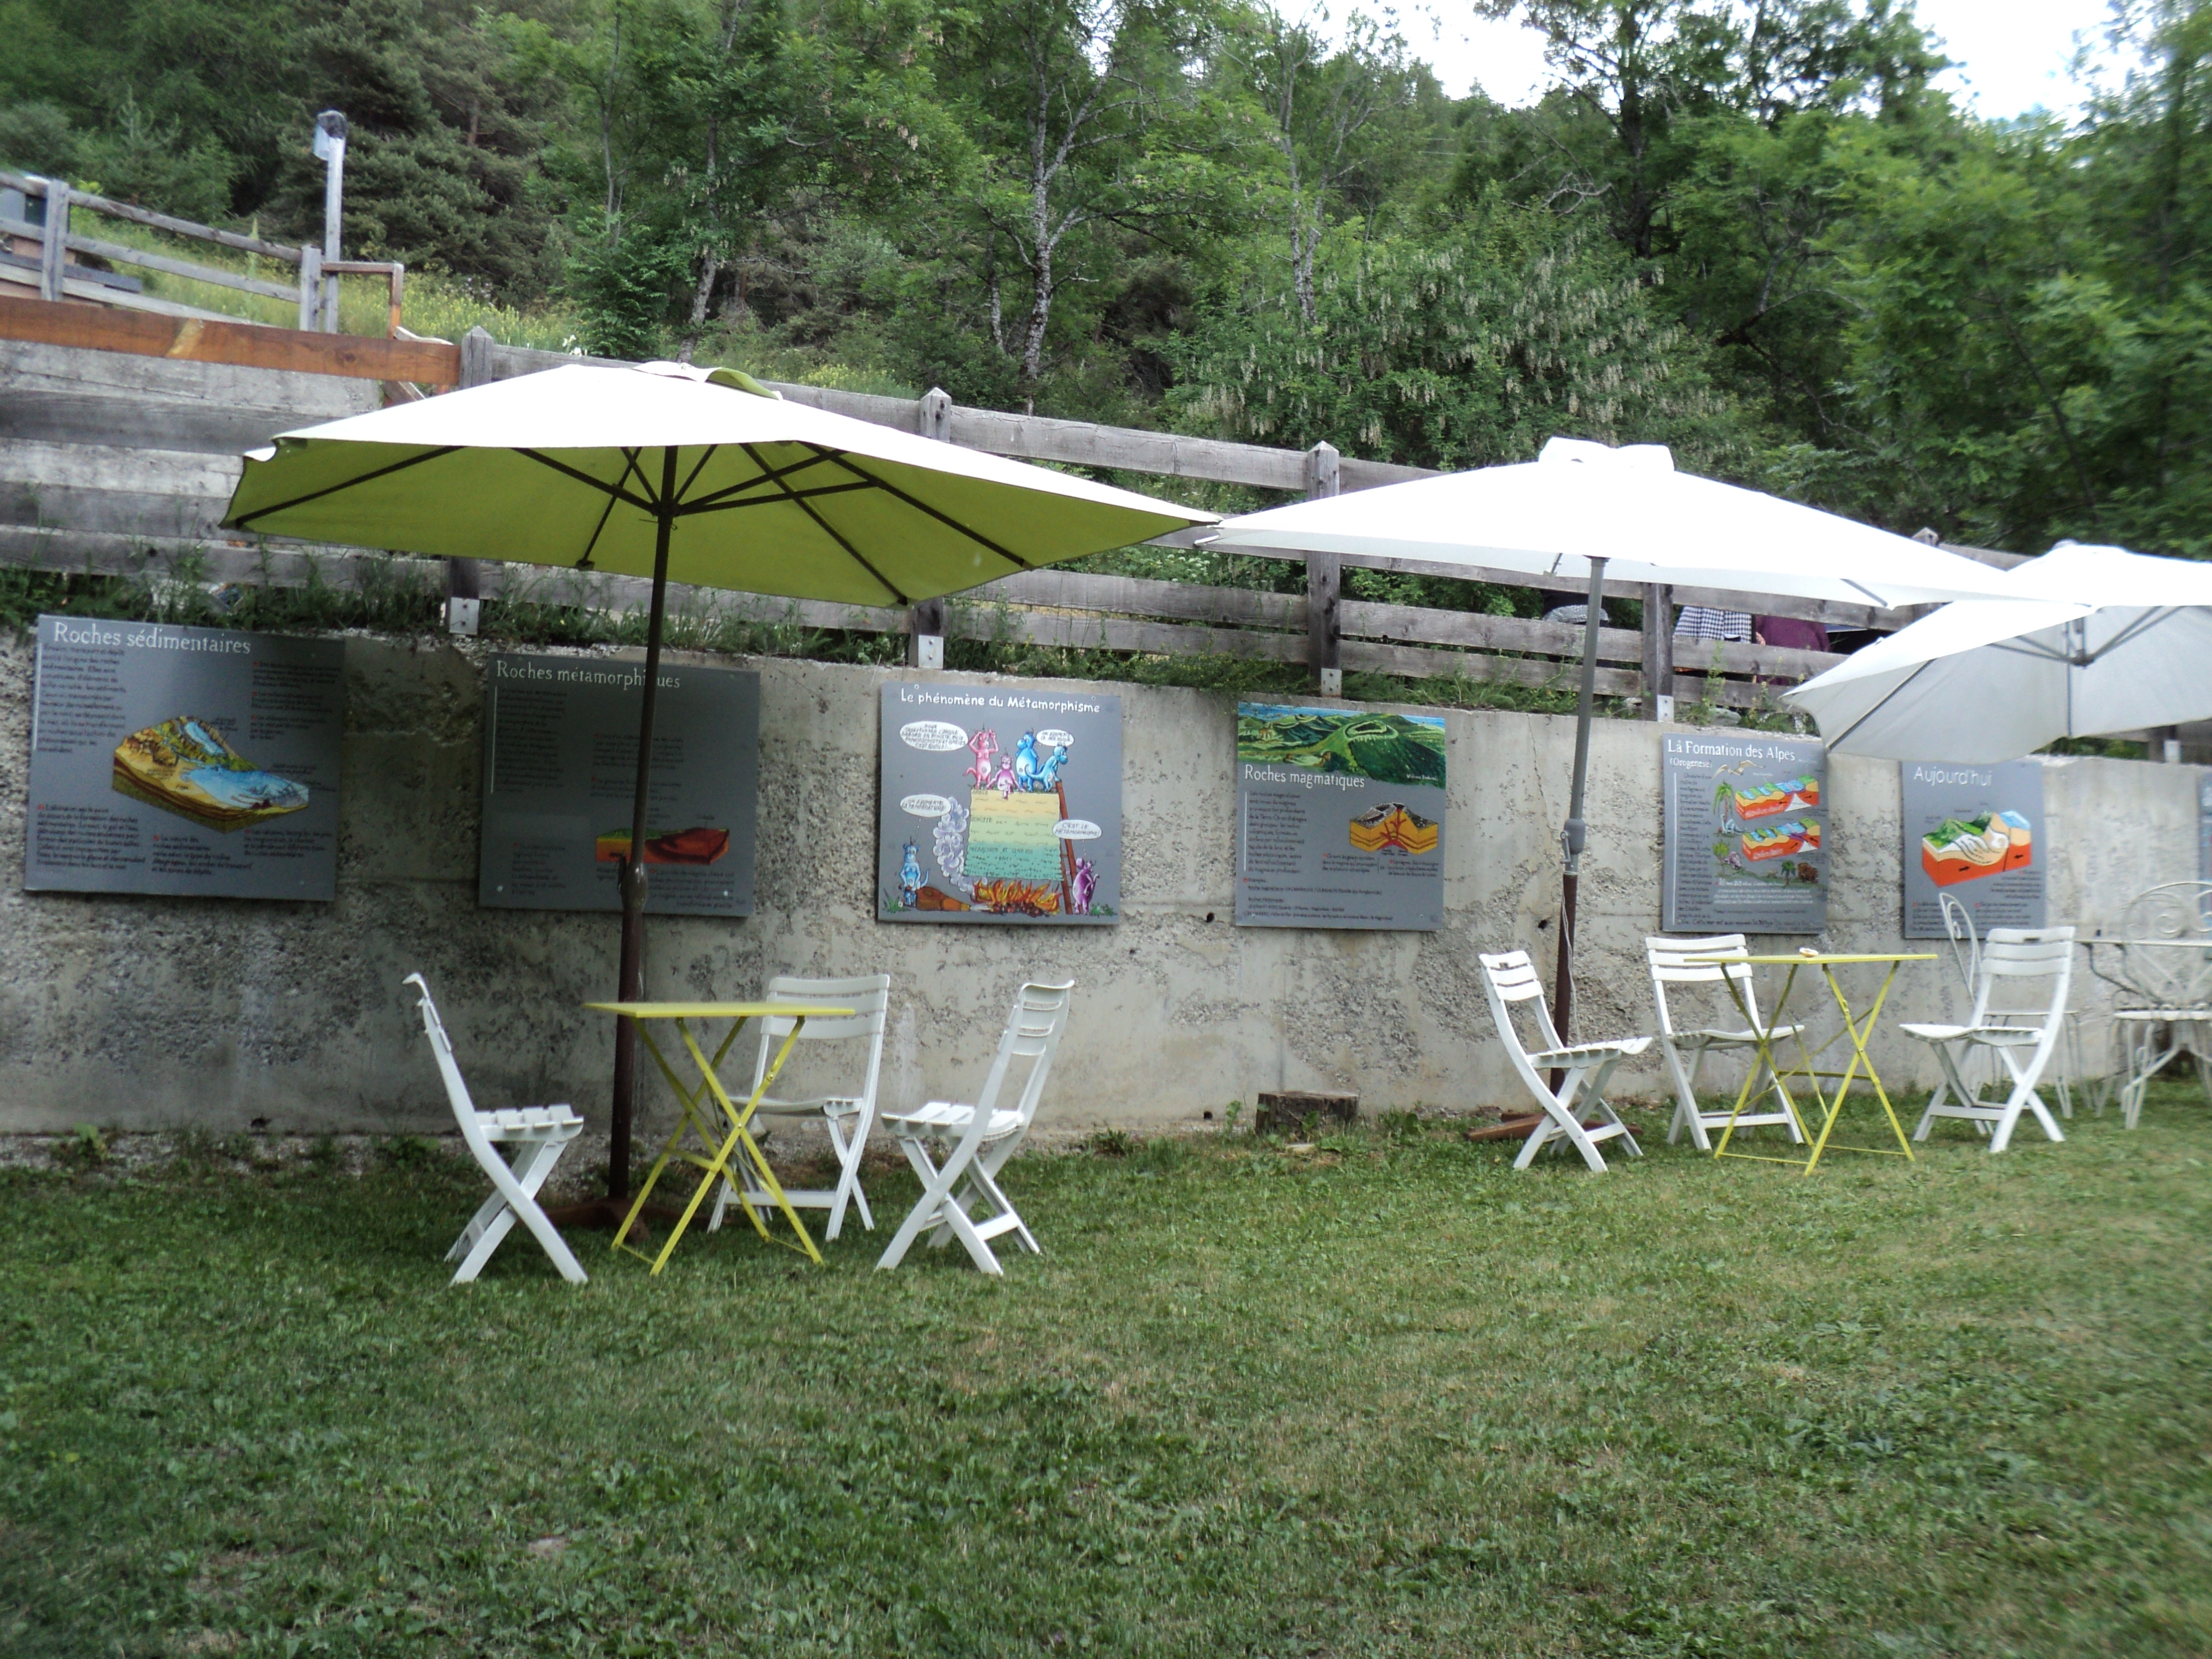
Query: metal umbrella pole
x=1574, y=836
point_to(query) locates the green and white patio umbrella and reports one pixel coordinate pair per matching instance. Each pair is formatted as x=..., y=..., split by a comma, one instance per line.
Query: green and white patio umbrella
x=680, y=474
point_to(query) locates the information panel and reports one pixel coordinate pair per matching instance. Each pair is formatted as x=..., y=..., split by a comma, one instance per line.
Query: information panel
x=560, y=780
x=1746, y=818
x=200, y=761
x=998, y=805
x=1339, y=818
x=1976, y=834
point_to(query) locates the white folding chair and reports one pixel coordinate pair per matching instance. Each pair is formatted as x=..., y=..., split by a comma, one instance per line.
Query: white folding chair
x=1508, y=978
x=848, y=1117
x=2019, y=1035
x=1673, y=962
x=980, y=1138
x=543, y=1132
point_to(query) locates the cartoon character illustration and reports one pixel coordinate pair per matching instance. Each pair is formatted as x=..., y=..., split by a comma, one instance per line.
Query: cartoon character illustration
x=950, y=840
x=1048, y=774
x=1084, y=889
x=910, y=878
x=983, y=746
x=1025, y=762
x=1003, y=782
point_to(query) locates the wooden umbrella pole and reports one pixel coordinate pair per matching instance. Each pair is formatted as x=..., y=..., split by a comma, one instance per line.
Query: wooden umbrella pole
x=631, y=978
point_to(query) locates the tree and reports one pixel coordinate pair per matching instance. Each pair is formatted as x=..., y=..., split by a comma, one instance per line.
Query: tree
x=1089, y=120
x=1330, y=115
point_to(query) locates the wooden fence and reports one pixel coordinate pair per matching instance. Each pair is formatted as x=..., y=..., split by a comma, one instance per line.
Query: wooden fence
x=121, y=434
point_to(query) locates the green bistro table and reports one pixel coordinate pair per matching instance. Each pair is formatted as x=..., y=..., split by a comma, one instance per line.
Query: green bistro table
x=721, y=1146
x=1858, y=1030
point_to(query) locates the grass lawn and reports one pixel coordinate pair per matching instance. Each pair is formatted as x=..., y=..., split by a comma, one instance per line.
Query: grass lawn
x=1389, y=1398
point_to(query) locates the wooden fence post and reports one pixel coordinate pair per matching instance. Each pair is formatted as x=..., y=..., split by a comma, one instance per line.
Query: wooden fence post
x=1658, y=652
x=1324, y=586
x=464, y=577
x=924, y=639
x=53, y=251
x=311, y=287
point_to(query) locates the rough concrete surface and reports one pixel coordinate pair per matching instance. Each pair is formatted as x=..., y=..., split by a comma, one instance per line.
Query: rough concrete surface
x=147, y=1013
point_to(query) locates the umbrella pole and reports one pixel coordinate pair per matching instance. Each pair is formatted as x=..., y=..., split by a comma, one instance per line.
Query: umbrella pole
x=630, y=980
x=1572, y=837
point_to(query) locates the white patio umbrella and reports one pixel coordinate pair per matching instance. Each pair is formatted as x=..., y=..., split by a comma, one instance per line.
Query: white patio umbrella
x=694, y=474
x=1587, y=511
x=2097, y=639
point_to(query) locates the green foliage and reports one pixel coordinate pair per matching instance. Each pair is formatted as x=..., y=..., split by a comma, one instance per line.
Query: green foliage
x=1461, y=350
x=1394, y=1399
x=620, y=293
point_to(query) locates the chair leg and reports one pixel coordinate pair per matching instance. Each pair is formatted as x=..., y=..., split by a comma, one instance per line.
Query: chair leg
x=1560, y=1120
x=1686, y=1115
x=529, y=1171
x=936, y=1186
x=1949, y=1082
x=482, y=1219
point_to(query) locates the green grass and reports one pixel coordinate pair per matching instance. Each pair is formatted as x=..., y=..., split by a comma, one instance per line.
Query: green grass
x=1388, y=1398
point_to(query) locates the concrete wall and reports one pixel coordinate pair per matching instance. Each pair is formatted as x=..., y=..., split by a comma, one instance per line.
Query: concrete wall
x=138, y=1012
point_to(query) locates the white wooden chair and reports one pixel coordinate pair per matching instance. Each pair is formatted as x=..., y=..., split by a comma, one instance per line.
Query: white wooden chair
x=975, y=1141
x=848, y=1118
x=1673, y=962
x=543, y=1133
x=2020, y=1035
x=1508, y=978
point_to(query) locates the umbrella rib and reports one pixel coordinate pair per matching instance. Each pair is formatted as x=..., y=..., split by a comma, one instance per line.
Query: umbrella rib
x=771, y=474
x=946, y=520
x=2141, y=624
x=803, y=506
x=709, y=505
x=629, y=465
x=1878, y=708
x=246, y=519
x=692, y=477
x=614, y=490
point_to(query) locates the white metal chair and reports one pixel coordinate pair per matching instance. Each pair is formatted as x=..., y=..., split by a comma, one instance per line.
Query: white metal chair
x=1508, y=978
x=975, y=1141
x=848, y=1117
x=2020, y=1036
x=2164, y=978
x=543, y=1132
x=1673, y=960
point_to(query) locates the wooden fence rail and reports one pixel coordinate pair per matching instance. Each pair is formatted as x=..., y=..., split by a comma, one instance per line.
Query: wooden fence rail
x=127, y=472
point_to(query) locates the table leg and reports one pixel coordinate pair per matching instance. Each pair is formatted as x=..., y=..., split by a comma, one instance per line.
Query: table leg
x=1859, y=1032
x=689, y=1120
x=1763, y=1057
x=740, y=1136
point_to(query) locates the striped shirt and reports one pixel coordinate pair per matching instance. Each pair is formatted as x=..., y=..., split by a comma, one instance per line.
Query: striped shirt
x=1705, y=622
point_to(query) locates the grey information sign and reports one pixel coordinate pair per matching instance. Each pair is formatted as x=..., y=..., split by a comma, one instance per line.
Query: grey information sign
x=560, y=778
x=1975, y=834
x=1746, y=820
x=198, y=760
x=1000, y=805
x=1339, y=818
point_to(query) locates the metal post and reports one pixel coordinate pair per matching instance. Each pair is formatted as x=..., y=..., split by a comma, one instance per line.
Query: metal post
x=53, y=251
x=631, y=978
x=1574, y=836
x=1324, y=586
x=464, y=577
x=925, y=640
x=1658, y=652
x=329, y=144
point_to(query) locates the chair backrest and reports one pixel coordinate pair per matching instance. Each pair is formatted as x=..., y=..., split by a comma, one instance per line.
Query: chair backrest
x=1672, y=961
x=869, y=998
x=2013, y=957
x=1508, y=977
x=2170, y=975
x=1032, y=1034
x=1965, y=948
x=449, y=1069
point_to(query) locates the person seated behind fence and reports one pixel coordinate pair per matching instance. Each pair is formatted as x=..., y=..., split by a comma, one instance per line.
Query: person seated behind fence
x=1793, y=633
x=1705, y=622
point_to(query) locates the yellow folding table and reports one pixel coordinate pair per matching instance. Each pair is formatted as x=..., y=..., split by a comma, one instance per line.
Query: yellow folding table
x=1857, y=1030
x=716, y=1165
